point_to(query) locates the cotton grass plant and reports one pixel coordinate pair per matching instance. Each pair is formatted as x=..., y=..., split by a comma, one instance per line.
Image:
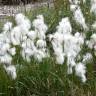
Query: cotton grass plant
x=49, y=58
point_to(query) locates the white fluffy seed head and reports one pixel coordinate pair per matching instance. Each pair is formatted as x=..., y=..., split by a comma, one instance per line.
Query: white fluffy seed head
x=6, y=59
x=78, y=16
x=87, y=57
x=19, y=18
x=64, y=26
x=73, y=7
x=93, y=6
x=32, y=35
x=81, y=71
x=12, y=51
x=5, y=47
x=40, y=27
x=39, y=55
x=11, y=70
x=93, y=37
x=41, y=43
x=94, y=25
x=7, y=26
x=92, y=42
x=16, y=36
x=60, y=59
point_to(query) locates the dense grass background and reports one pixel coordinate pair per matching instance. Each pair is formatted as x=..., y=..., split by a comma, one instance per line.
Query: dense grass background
x=48, y=78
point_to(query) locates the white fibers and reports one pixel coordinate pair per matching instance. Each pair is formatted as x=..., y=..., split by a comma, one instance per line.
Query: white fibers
x=78, y=16
x=80, y=71
x=93, y=6
x=32, y=42
x=87, y=57
x=40, y=27
x=7, y=26
x=92, y=42
x=94, y=25
x=11, y=70
x=64, y=26
x=65, y=44
x=77, y=2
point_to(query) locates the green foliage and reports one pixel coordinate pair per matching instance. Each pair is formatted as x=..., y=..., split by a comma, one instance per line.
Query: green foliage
x=48, y=78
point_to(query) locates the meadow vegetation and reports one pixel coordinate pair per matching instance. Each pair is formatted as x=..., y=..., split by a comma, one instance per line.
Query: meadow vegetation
x=48, y=78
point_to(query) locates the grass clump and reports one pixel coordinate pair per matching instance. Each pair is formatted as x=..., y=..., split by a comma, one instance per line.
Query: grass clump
x=47, y=78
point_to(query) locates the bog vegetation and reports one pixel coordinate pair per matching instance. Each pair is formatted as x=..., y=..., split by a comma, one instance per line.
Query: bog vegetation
x=50, y=52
